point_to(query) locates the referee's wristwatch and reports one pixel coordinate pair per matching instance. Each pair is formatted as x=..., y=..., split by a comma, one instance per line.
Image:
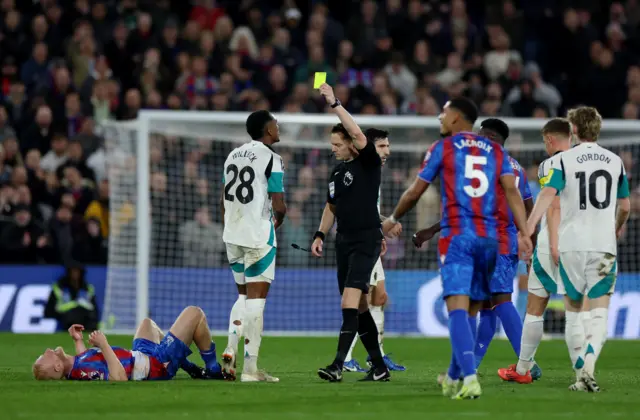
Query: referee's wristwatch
x=336, y=104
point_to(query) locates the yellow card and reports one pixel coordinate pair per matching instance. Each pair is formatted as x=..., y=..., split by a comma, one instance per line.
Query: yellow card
x=320, y=78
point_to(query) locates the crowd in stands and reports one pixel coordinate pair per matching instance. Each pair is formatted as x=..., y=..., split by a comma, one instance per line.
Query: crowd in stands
x=66, y=66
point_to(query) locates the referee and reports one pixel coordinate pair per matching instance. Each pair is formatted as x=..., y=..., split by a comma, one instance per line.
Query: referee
x=354, y=186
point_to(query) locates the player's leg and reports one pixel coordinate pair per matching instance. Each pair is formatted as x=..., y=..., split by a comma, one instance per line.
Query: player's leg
x=572, y=268
x=486, y=328
x=235, y=256
x=601, y=274
x=190, y=327
x=259, y=273
x=521, y=299
x=501, y=286
x=542, y=284
x=585, y=317
x=457, y=257
x=378, y=299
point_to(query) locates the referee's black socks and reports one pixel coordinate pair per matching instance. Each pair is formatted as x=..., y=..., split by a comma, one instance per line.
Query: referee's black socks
x=369, y=336
x=347, y=334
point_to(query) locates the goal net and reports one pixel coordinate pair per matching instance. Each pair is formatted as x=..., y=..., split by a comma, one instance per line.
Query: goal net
x=166, y=250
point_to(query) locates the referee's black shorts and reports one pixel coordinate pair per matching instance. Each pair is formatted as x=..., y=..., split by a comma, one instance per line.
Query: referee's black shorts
x=356, y=255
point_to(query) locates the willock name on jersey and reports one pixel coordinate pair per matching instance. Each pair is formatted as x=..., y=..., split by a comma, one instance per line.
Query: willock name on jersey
x=251, y=172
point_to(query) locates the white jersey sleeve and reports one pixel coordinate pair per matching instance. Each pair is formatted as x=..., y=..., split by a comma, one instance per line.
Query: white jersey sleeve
x=589, y=179
x=542, y=246
x=251, y=172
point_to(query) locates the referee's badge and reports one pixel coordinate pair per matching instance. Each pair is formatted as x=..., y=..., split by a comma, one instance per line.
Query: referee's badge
x=332, y=189
x=348, y=178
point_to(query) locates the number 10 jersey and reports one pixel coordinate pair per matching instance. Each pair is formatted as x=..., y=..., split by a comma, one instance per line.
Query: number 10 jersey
x=251, y=173
x=589, y=179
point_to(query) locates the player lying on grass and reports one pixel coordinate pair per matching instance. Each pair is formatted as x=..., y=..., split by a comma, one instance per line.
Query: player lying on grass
x=154, y=356
x=498, y=303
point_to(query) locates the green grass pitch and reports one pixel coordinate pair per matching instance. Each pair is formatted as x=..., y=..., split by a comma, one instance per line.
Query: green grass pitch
x=302, y=395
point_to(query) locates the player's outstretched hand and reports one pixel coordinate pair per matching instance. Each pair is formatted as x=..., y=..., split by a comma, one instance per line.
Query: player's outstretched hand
x=316, y=248
x=98, y=339
x=75, y=331
x=422, y=236
x=327, y=92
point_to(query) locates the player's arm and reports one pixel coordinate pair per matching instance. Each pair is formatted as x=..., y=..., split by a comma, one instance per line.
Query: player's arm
x=553, y=223
x=424, y=235
x=75, y=331
x=222, y=207
x=359, y=139
x=514, y=199
x=624, y=204
x=275, y=188
x=430, y=170
x=554, y=183
x=116, y=370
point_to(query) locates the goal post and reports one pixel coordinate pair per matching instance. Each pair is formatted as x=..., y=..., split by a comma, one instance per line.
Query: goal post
x=166, y=251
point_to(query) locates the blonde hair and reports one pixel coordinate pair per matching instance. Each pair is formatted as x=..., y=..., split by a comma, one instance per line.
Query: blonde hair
x=587, y=121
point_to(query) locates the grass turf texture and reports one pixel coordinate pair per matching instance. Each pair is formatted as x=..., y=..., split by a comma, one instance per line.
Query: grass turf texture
x=302, y=395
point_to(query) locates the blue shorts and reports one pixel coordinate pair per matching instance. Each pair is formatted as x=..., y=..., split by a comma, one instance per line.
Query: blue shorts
x=170, y=350
x=502, y=279
x=466, y=263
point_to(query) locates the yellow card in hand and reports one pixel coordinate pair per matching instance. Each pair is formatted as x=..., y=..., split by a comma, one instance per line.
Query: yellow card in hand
x=320, y=78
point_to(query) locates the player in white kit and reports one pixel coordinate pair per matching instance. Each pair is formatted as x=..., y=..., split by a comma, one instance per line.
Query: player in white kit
x=253, y=208
x=591, y=182
x=377, y=291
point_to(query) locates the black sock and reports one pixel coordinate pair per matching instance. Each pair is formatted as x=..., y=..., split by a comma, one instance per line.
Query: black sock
x=369, y=338
x=347, y=334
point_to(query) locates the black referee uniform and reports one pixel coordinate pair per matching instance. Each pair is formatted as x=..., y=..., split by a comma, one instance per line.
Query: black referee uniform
x=354, y=188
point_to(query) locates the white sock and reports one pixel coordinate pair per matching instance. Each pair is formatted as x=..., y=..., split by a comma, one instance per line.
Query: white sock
x=598, y=338
x=532, y=330
x=377, y=312
x=469, y=379
x=585, y=316
x=575, y=338
x=353, y=345
x=253, y=333
x=236, y=322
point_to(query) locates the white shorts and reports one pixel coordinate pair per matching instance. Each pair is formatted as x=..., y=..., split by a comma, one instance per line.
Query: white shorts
x=377, y=274
x=588, y=273
x=544, y=279
x=251, y=265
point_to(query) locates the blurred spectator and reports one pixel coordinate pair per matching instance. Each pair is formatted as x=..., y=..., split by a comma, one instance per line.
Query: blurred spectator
x=24, y=241
x=73, y=300
x=98, y=209
x=200, y=241
x=89, y=245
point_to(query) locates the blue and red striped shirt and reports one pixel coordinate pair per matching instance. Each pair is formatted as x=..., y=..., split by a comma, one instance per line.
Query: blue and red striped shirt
x=470, y=167
x=508, y=242
x=91, y=365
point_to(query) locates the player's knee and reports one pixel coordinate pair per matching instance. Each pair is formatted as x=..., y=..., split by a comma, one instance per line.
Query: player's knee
x=536, y=305
x=194, y=311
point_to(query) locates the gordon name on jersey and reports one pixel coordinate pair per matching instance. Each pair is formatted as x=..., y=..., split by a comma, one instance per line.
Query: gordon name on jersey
x=251, y=173
x=590, y=178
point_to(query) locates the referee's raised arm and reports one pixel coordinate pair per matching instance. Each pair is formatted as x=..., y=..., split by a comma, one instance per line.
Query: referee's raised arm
x=358, y=137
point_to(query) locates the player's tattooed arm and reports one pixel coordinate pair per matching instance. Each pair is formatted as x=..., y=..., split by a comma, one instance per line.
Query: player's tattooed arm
x=553, y=226
x=279, y=208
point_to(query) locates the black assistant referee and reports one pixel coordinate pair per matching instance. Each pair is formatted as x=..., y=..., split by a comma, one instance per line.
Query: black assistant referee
x=352, y=197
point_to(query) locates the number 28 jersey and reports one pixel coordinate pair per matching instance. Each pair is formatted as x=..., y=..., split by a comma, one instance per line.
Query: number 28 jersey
x=470, y=167
x=589, y=179
x=251, y=172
